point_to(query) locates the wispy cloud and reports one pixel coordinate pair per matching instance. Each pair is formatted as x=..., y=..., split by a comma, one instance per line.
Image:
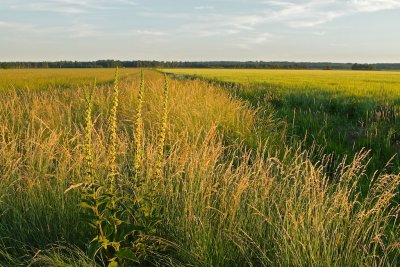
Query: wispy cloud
x=250, y=42
x=142, y=35
x=312, y=13
x=73, y=30
x=127, y=2
x=261, y=38
x=71, y=6
x=83, y=30
x=150, y=33
x=14, y=26
x=375, y=5
x=203, y=7
x=229, y=24
x=56, y=7
x=250, y=26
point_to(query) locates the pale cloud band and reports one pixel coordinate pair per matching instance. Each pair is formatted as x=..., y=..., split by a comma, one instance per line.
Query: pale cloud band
x=230, y=26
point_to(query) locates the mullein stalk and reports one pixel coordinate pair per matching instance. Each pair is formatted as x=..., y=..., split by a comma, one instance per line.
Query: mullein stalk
x=138, y=156
x=163, y=131
x=90, y=187
x=113, y=134
x=88, y=146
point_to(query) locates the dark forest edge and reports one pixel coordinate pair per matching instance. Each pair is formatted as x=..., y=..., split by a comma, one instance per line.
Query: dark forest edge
x=200, y=64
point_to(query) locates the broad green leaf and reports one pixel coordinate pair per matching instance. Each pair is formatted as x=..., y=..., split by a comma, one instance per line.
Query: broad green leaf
x=127, y=254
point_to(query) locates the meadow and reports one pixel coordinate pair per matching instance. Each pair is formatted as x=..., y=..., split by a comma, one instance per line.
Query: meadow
x=35, y=79
x=341, y=111
x=143, y=169
x=381, y=85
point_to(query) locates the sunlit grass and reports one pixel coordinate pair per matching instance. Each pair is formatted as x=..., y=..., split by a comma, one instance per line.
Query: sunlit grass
x=374, y=84
x=53, y=78
x=222, y=202
x=343, y=111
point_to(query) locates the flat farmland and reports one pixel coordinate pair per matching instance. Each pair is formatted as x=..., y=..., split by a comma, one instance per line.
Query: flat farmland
x=342, y=111
x=381, y=85
x=146, y=169
x=50, y=78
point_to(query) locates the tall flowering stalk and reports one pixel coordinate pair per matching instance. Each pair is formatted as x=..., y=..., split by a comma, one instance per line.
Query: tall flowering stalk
x=113, y=134
x=88, y=147
x=138, y=157
x=163, y=131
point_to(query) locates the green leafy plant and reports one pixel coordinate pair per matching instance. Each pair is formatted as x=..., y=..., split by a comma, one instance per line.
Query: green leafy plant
x=125, y=223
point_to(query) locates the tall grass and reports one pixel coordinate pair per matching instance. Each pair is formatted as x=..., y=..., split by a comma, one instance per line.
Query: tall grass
x=342, y=111
x=277, y=212
x=223, y=203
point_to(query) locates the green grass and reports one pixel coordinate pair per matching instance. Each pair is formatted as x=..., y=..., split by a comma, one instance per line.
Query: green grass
x=344, y=111
x=233, y=192
x=379, y=85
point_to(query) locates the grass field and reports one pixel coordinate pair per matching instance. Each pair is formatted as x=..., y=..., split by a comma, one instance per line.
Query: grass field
x=168, y=172
x=380, y=85
x=54, y=78
x=344, y=111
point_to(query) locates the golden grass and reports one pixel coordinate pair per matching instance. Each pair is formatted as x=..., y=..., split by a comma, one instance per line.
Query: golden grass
x=223, y=204
x=53, y=78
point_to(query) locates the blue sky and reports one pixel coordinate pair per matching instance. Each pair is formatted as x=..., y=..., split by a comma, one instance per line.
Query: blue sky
x=301, y=30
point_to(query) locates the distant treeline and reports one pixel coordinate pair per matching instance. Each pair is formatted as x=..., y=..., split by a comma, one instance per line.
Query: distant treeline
x=200, y=64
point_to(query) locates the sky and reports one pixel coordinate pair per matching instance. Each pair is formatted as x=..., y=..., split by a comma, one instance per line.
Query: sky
x=269, y=30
